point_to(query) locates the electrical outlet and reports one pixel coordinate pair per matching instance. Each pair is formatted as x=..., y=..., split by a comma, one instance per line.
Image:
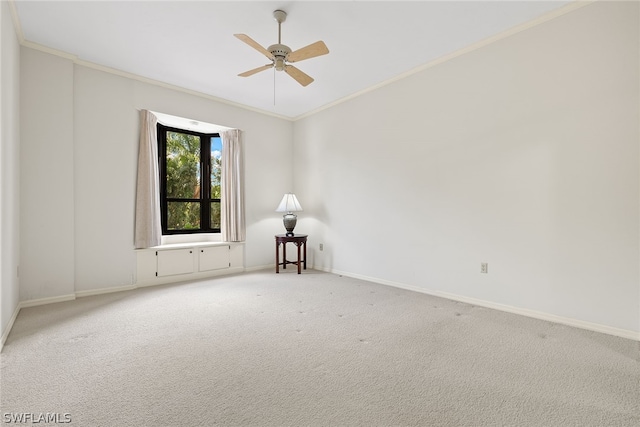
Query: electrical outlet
x=484, y=267
x=321, y=246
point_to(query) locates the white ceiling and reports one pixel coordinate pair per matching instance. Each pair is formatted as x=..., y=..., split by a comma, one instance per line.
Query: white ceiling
x=190, y=44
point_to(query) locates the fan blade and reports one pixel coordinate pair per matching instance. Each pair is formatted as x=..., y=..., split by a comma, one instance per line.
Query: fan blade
x=254, y=44
x=298, y=75
x=314, y=49
x=255, y=70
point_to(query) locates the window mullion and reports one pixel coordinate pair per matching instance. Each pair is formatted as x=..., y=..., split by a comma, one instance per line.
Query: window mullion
x=162, y=131
x=205, y=154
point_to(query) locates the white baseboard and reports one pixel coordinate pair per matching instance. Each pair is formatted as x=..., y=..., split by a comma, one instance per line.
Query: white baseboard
x=260, y=267
x=273, y=267
x=49, y=300
x=92, y=292
x=595, y=327
x=6, y=332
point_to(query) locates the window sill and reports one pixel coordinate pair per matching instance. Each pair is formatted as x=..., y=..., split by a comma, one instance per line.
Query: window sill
x=183, y=241
x=191, y=239
x=186, y=245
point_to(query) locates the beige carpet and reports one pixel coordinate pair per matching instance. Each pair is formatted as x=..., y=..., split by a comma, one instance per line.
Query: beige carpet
x=315, y=349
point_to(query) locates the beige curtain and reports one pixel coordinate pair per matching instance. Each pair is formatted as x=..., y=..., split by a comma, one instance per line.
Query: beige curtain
x=232, y=187
x=148, y=230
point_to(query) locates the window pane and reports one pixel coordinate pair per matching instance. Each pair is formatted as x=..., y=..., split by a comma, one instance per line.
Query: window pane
x=215, y=215
x=216, y=155
x=183, y=216
x=183, y=166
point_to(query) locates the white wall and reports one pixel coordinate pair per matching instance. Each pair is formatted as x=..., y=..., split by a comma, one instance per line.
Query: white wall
x=46, y=182
x=523, y=154
x=97, y=172
x=9, y=169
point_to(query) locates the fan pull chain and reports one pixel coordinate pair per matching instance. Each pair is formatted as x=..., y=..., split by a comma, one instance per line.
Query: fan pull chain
x=274, y=85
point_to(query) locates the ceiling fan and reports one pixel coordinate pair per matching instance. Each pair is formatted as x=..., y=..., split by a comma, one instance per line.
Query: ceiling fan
x=281, y=55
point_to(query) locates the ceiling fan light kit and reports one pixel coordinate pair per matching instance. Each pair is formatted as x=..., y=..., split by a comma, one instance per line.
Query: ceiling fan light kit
x=281, y=55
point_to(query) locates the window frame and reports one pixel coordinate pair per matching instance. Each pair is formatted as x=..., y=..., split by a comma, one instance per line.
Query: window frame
x=205, y=199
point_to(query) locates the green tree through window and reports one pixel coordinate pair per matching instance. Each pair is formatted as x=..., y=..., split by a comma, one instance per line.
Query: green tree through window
x=190, y=170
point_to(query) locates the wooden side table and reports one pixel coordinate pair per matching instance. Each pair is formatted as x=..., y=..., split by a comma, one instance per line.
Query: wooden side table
x=300, y=240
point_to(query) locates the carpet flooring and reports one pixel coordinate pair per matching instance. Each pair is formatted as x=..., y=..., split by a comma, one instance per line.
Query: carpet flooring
x=316, y=349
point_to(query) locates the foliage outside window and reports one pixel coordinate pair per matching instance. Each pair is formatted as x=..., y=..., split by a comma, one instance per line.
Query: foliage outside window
x=189, y=180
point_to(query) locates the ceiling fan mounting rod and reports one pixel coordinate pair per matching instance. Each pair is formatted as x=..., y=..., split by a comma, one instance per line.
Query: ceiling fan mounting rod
x=279, y=51
x=280, y=16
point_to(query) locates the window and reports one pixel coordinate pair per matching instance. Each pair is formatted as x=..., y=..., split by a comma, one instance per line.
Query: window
x=189, y=164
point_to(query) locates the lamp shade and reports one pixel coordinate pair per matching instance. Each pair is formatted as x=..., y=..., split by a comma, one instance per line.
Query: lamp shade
x=289, y=203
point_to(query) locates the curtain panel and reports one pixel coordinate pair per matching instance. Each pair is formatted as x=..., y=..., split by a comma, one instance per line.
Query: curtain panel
x=148, y=229
x=232, y=216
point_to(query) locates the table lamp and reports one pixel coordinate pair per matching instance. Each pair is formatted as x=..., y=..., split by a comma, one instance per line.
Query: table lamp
x=289, y=204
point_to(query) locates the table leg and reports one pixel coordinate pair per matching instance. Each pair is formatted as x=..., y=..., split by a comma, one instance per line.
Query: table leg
x=305, y=255
x=298, y=258
x=277, y=257
x=284, y=255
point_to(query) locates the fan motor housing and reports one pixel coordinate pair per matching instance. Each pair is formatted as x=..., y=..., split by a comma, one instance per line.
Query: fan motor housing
x=279, y=49
x=280, y=53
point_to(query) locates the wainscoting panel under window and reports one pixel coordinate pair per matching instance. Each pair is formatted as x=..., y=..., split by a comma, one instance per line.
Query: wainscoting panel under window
x=180, y=262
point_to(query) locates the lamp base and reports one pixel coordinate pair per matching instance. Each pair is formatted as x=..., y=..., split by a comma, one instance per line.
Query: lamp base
x=289, y=220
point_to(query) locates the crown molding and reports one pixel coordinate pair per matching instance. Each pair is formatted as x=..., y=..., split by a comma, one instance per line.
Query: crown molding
x=16, y=20
x=117, y=72
x=114, y=71
x=576, y=4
